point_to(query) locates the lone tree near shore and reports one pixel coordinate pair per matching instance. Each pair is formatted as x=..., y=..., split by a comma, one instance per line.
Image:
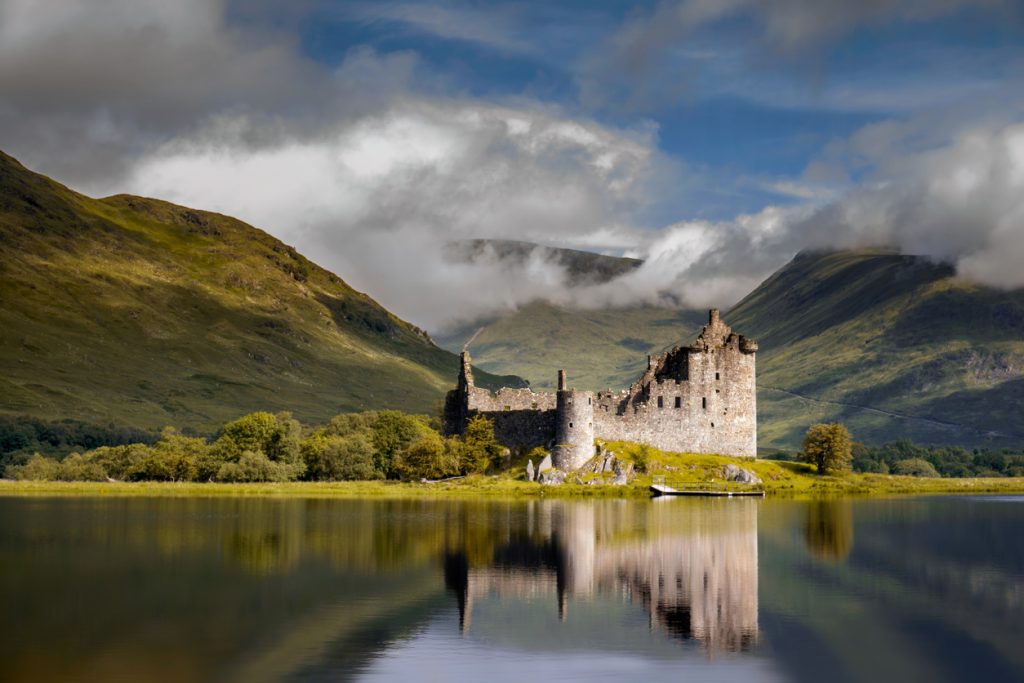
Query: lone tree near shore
x=829, y=447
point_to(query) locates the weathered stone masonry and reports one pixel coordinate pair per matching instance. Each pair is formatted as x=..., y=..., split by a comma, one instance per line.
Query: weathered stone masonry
x=699, y=398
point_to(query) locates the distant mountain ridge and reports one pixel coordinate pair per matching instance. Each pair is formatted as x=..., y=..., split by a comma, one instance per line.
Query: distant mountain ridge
x=582, y=267
x=144, y=313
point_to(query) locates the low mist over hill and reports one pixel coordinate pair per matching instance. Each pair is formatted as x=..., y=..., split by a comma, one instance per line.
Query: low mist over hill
x=581, y=267
x=145, y=313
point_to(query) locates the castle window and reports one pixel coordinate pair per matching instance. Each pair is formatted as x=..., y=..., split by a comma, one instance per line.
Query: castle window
x=661, y=402
x=704, y=403
x=679, y=402
x=712, y=425
x=718, y=391
x=570, y=425
x=534, y=405
x=717, y=376
x=590, y=401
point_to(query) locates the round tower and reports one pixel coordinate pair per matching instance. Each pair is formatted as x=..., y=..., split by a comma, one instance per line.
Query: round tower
x=574, y=427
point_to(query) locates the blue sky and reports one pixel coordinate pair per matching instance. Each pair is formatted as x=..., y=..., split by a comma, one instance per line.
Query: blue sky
x=724, y=99
x=712, y=138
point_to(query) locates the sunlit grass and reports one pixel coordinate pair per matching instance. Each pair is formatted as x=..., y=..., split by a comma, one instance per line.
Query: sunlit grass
x=781, y=479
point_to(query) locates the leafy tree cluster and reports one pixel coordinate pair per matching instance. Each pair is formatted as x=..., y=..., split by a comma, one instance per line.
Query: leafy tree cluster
x=21, y=436
x=905, y=457
x=267, y=447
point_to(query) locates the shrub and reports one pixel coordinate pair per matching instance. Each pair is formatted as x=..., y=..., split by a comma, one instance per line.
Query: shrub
x=254, y=466
x=642, y=457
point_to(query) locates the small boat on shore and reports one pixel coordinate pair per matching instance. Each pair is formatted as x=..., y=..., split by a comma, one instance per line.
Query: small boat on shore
x=664, y=490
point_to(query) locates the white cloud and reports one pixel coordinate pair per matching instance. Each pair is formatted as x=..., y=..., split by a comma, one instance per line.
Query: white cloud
x=962, y=201
x=378, y=198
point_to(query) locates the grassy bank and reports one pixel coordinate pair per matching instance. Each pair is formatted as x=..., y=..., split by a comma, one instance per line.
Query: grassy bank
x=781, y=479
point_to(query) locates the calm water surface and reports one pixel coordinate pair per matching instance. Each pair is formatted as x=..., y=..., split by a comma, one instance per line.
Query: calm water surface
x=740, y=590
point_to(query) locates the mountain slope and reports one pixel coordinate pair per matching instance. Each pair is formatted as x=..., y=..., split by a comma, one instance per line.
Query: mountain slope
x=145, y=313
x=599, y=348
x=891, y=345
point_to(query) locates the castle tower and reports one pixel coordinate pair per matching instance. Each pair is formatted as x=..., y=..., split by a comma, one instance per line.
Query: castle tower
x=456, y=403
x=574, y=427
x=465, y=371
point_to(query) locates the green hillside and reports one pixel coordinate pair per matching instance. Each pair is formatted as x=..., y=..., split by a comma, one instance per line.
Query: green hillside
x=598, y=348
x=144, y=313
x=895, y=346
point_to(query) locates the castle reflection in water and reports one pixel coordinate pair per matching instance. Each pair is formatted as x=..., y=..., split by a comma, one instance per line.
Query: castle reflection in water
x=693, y=568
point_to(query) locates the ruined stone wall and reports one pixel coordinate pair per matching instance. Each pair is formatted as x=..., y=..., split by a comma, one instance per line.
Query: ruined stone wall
x=699, y=398
x=704, y=415
x=521, y=417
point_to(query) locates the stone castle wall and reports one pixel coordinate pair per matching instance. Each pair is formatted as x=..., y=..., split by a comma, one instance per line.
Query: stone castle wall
x=699, y=398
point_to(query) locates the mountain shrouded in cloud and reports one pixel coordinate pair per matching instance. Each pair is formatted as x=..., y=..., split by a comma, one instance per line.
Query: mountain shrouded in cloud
x=372, y=136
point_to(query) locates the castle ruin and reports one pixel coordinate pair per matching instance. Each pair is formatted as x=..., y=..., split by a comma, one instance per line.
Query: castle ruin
x=694, y=399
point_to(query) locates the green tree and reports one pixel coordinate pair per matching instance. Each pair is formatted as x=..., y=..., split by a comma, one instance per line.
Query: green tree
x=275, y=437
x=392, y=433
x=828, y=447
x=480, y=450
x=333, y=458
x=346, y=424
x=121, y=462
x=428, y=457
x=915, y=467
x=76, y=467
x=174, y=458
x=37, y=468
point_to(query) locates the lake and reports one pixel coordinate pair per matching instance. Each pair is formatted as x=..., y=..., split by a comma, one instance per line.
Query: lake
x=256, y=590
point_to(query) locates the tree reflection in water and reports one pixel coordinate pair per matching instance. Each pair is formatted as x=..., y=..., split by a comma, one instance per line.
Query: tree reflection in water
x=829, y=529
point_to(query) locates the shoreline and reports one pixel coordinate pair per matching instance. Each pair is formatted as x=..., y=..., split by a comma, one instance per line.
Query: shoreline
x=851, y=486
